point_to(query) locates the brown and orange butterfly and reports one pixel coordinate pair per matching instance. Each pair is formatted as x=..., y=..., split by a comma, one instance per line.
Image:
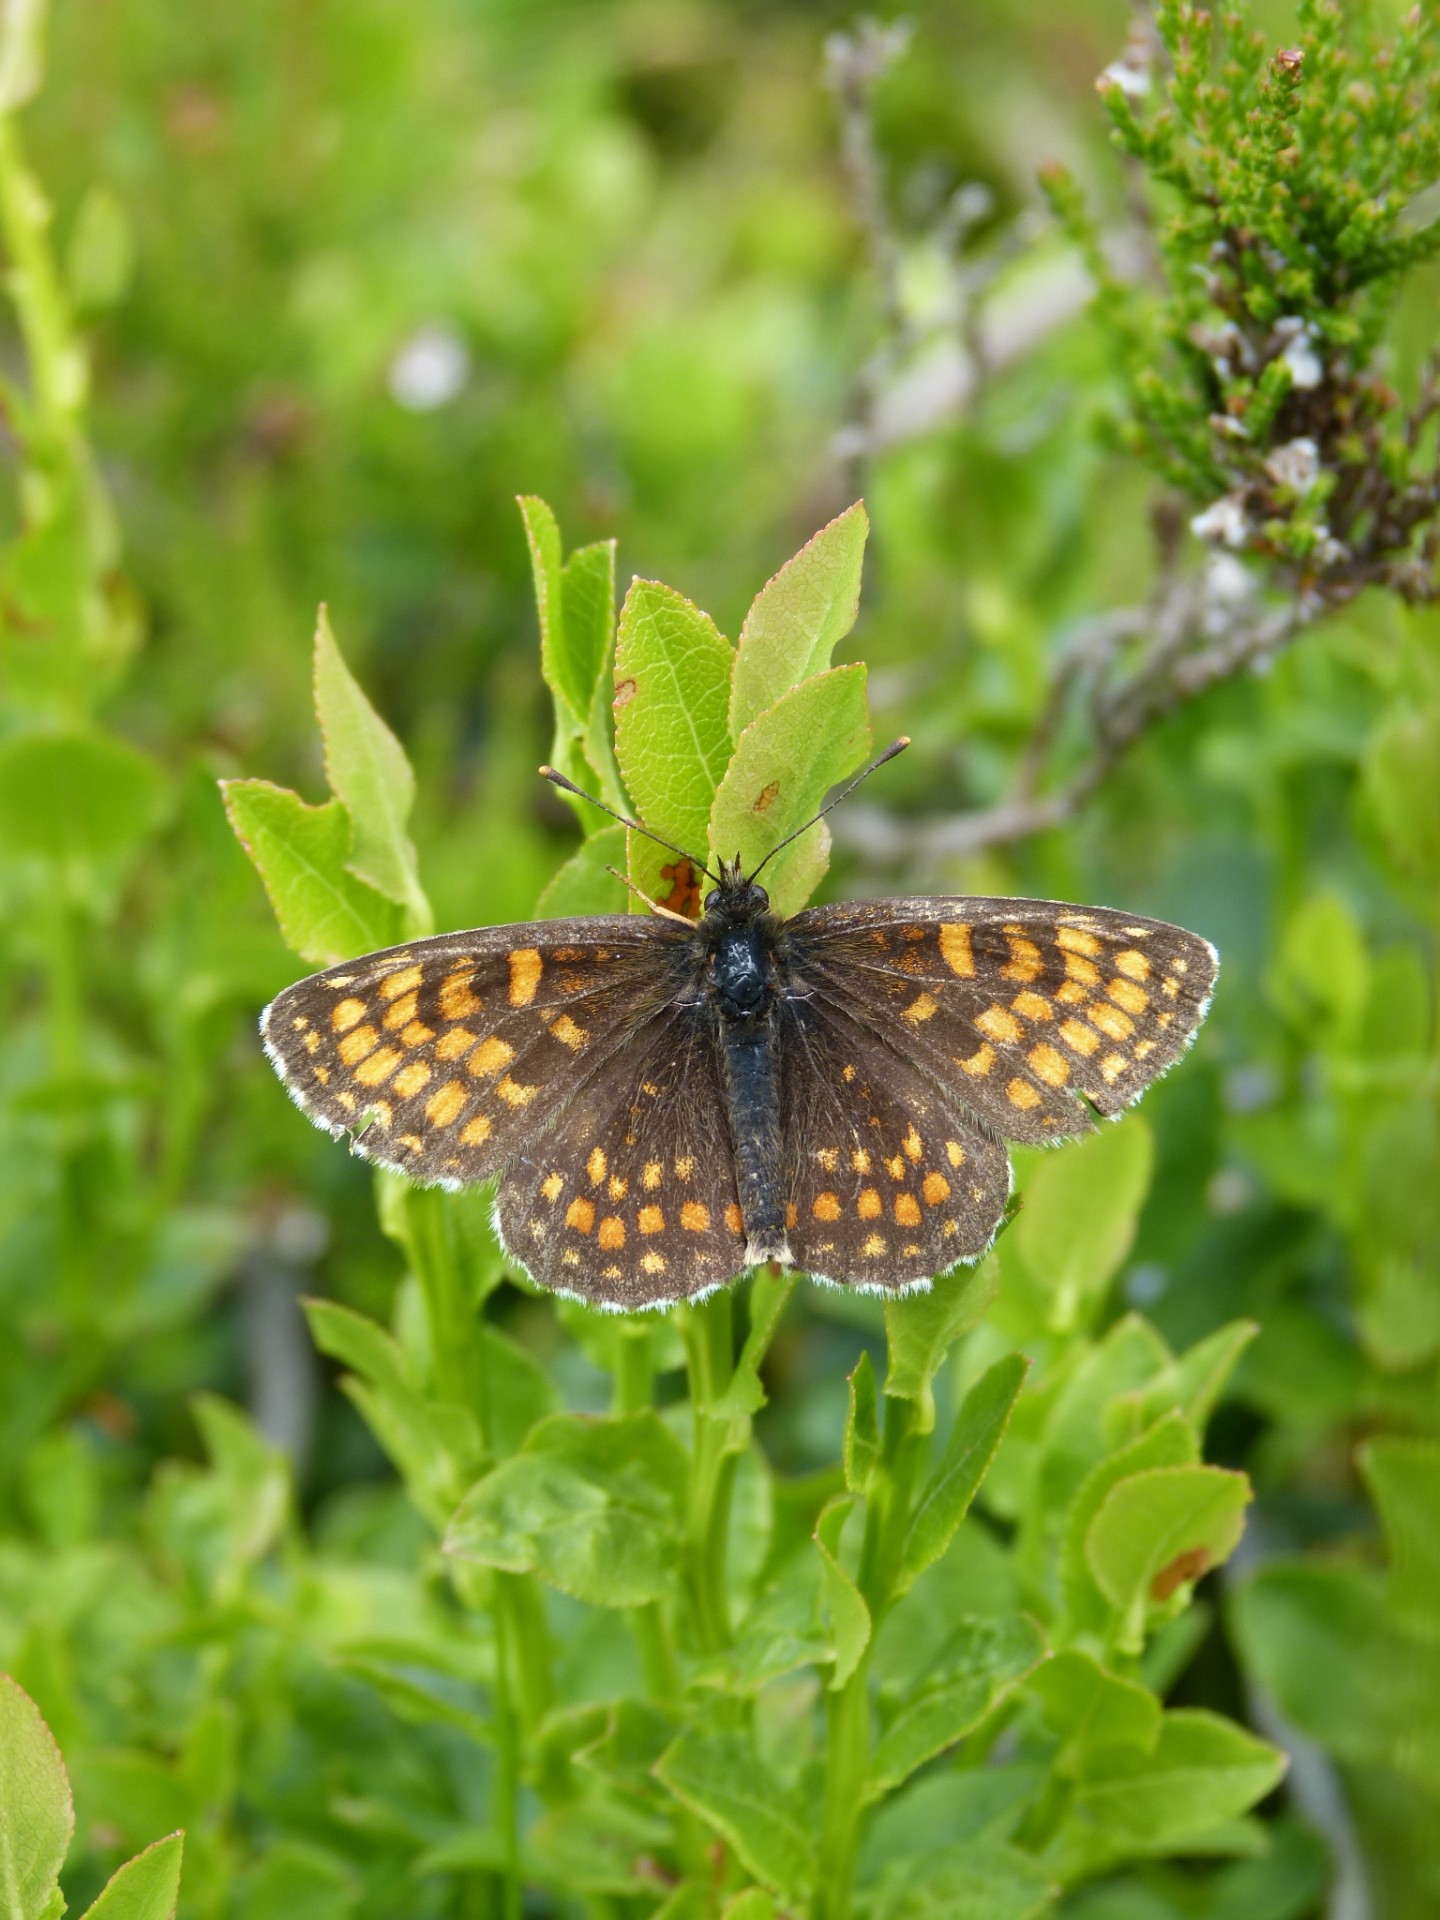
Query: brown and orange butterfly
x=669, y=1102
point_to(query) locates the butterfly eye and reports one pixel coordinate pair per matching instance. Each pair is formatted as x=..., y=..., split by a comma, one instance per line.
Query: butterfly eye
x=712, y=900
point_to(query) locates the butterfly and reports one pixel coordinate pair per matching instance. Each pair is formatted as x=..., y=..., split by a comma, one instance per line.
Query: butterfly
x=670, y=1102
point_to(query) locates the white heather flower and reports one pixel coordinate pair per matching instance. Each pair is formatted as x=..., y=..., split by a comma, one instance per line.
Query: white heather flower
x=1224, y=522
x=1134, y=81
x=428, y=369
x=1295, y=465
x=1307, y=369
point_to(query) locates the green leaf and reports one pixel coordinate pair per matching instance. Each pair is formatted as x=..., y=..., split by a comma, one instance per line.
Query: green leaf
x=1094, y=1712
x=324, y=913
x=145, y=1888
x=1201, y=1774
x=22, y=62
x=624, y=1751
x=721, y=1777
x=1194, y=1382
x=37, y=1814
x=575, y=599
x=745, y=1394
x=1401, y=790
x=592, y=1506
x=370, y=776
x=1078, y=1220
x=302, y=1881
x=862, y=1427
x=753, y=1904
x=984, y=1661
x=100, y=253
x=672, y=688
x=1403, y=1476
x=922, y=1327
x=583, y=885
x=1320, y=979
x=849, y=1615
x=599, y=1844
x=785, y=763
x=799, y=617
x=977, y=1432
x=1171, y=1442
x=981, y=1881
x=76, y=796
x=1159, y=1530
x=576, y=603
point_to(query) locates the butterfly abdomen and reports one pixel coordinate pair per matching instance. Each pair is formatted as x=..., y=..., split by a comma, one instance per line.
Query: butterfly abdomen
x=752, y=1100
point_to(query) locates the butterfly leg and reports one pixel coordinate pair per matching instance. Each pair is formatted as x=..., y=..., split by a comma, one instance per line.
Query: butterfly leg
x=752, y=1101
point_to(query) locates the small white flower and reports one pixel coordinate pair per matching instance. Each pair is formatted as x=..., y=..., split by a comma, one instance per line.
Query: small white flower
x=1295, y=465
x=1133, y=81
x=1224, y=522
x=1307, y=369
x=428, y=369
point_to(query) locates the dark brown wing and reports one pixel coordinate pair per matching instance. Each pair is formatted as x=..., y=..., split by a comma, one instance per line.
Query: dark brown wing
x=890, y=1178
x=630, y=1199
x=1032, y=1011
x=442, y=1057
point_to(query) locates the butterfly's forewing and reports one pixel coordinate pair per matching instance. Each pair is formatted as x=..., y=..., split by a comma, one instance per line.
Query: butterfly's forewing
x=890, y=1179
x=1034, y=1012
x=442, y=1057
x=630, y=1199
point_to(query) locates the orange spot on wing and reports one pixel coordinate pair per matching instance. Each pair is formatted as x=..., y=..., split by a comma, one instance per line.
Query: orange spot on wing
x=1051, y=1066
x=454, y=1043
x=907, y=1210
x=1076, y=940
x=597, y=1165
x=475, y=1132
x=1021, y=1094
x=526, y=966
x=442, y=1109
x=979, y=1062
x=695, y=1217
x=1127, y=995
x=998, y=1023
x=457, y=1002
x=826, y=1206
x=355, y=1046
x=1034, y=1006
x=733, y=1219
x=378, y=1068
x=552, y=1186
x=612, y=1233
x=394, y=984
x=955, y=1153
x=516, y=1093
x=1114, y=1024
x=935, y=1188
x=1024, y=963
x=580, y=1215
x=568, y=1033
x=412, y=1079
x=955, y=949
x=868, y=1206
x=923, y=1007
x=1133, y=965
x=652, y=1220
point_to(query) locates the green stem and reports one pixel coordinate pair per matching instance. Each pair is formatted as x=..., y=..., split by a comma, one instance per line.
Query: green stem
x=454, y=1349
x=710, y=1357
x=847, y=1720
x=634, y=1368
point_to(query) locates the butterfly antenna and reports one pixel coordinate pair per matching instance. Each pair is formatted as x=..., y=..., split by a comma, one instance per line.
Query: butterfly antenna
x=569, y=786
x=895, y=746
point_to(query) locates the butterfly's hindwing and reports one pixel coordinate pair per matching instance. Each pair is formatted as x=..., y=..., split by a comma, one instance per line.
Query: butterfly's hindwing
x=630, y=1200
x=890, y=1180
x=441, y=1058
x=1034, y=1012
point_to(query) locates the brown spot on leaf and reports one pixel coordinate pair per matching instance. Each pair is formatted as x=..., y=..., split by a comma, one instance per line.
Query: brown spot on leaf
x=766, y=798
x=1188, y=1565
x=624, y=693
x=682, y=895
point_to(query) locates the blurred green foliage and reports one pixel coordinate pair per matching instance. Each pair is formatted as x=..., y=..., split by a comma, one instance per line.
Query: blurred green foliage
x=323, y=288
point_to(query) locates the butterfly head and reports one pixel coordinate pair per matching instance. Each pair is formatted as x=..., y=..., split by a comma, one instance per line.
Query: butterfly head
x=737, y=901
